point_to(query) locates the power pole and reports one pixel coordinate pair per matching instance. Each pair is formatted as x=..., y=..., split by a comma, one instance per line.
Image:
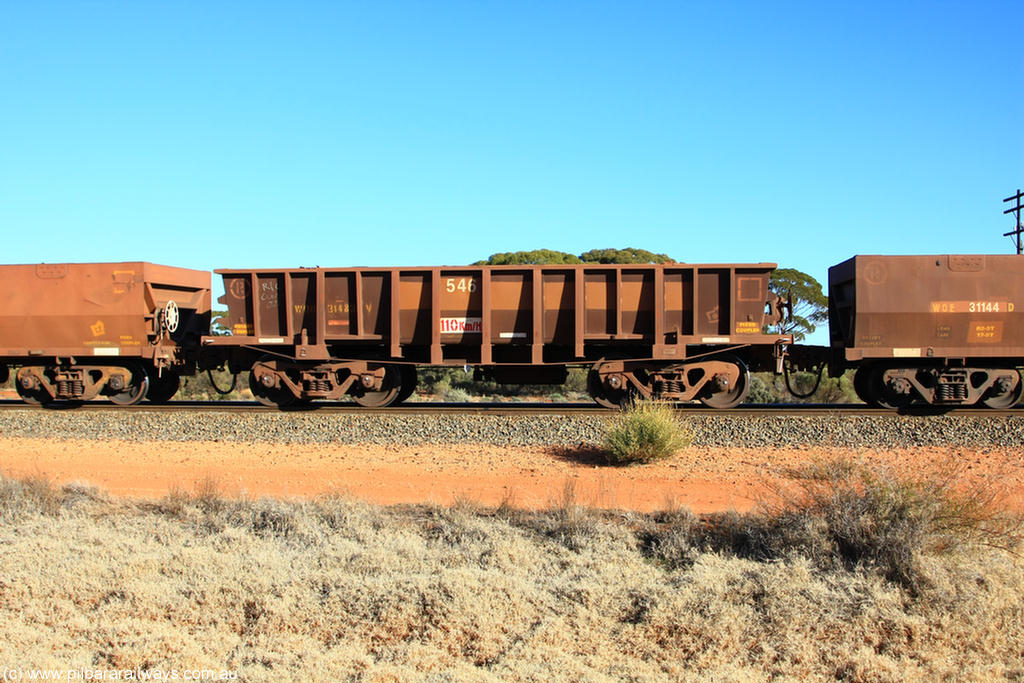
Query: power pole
x=1015, y=210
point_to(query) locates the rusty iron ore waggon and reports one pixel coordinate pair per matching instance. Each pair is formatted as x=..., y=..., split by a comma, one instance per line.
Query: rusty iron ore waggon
x=672, y=331
x=938, y=330
x=126, y=331
x=942, y=330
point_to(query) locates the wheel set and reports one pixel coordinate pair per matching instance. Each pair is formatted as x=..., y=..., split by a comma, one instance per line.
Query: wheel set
x=898, y=388
x=125, y=385
x=278, y=383
x=720, y=382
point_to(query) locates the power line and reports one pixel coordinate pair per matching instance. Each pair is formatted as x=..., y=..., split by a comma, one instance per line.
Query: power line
x=1015, y=210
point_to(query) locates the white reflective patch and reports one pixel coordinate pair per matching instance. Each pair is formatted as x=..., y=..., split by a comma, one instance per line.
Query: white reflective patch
x=512, y=335
x=106, y=351
x=270, y=340
x=715, y=340
x=906, y=353
x=171, y=316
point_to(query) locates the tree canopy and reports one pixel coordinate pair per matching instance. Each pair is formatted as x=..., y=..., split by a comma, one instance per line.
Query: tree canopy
x=537, y=256
x=810, y=305
x=549, y=256
x=627, y=255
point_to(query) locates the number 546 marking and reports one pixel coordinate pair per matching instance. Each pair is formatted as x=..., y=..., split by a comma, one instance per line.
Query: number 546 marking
x=461, y=284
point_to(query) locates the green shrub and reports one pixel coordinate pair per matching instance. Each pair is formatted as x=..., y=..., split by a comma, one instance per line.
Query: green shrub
x=766, y=387
x=456, y=395
x=761, y=391
x=199, y=388
x=645, y=431
x=576, y=382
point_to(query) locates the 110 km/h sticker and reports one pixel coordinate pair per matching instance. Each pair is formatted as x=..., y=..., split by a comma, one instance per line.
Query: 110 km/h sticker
x=461, y=325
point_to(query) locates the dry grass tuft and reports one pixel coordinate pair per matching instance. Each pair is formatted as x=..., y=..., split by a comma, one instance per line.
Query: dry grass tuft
x=843, y=515
x=34, y=493
x=208, y=494
x=844, y=512
x=175, y=502
x=567, y=520
x=644, y=432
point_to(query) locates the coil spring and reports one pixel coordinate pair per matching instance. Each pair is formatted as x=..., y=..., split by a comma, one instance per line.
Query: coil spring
x=69, y=387
x=318, y=386
x=668, y=386
x=951, y=391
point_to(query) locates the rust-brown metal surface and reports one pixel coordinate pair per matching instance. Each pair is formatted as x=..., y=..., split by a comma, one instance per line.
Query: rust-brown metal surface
x=928, y=307
x=492, y=315
x=106, y=310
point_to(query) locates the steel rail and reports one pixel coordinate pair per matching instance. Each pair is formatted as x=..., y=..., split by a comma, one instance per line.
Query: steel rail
x=513, y=409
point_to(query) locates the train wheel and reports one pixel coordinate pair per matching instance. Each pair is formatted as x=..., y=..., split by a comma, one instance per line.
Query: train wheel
x=390, y=389
x=273, y=397
x=603, y=396
x=30, y=391
x=862, y=385
x=134, y=391
x=1009, y=395
x=162, y=389
x=729, y=396
x=409, y=382
x=889, y=392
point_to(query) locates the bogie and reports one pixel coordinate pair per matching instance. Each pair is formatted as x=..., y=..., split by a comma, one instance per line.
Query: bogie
x=901, y=387
x=720, y=382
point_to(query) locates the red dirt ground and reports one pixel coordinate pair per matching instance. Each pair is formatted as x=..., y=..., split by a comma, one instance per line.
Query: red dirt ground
x=702, y=479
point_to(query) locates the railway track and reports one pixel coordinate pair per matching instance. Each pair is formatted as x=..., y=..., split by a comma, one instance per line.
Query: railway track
x=507, y=409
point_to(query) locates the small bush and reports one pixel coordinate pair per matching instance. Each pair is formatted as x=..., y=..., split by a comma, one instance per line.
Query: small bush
x=675, y=542
x=576, y=382
x=34, y=493
x=439, y=387
x=646, y=431
x=199, y=388
x=456, y=395
x=845, y=514
x=568, y=520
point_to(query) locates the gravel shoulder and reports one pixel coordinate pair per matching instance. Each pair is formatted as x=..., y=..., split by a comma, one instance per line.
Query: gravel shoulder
x=701, y=478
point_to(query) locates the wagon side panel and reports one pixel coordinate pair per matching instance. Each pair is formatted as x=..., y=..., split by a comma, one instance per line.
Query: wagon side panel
x=944, y=306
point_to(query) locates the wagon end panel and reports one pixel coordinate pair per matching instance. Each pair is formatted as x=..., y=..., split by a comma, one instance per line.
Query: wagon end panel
x=750, y=300
x=842, y=303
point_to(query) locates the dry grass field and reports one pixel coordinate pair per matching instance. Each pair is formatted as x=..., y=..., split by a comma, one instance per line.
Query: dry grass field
x=850, y=575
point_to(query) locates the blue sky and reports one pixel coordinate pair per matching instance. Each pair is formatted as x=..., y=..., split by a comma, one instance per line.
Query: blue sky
x=235, y=134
